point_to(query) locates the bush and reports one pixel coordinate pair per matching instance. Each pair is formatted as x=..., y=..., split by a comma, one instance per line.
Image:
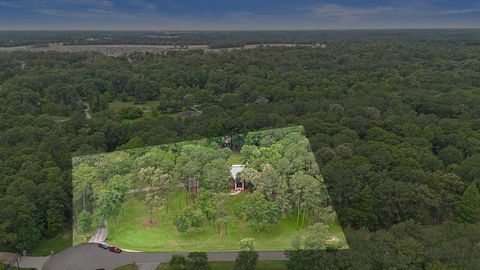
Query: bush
x=131, y=112
x=198, y=261
x=177, y=262
x=188, y=218
x=246, y=260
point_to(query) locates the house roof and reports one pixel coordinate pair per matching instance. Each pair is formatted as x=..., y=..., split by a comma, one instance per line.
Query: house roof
x=235, y=169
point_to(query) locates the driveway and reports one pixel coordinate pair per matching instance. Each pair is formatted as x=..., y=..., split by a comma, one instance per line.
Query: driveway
x=99, y=236
x=90, y=256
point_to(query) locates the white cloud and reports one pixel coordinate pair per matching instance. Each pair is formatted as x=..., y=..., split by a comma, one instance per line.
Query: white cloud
x=88, y=13
x=105, y=3
x=459, y=11
x=144, y=4
x=242, y=16
x=9, y=4
x=332, y=11
x=49, y=12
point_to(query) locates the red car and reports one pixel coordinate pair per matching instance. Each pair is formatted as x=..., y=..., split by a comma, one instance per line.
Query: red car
x=115, y=249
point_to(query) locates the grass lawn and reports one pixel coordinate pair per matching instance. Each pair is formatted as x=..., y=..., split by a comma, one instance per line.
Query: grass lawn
x=234, y=158
x=261, y=265
x=116, y=105
x=130, y=233
x=56, y=243
x=149, y=108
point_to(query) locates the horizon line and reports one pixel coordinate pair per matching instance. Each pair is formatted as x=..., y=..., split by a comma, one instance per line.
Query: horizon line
x=240, y=30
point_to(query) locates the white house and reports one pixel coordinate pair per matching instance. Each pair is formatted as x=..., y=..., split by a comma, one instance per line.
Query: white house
x=235, y=169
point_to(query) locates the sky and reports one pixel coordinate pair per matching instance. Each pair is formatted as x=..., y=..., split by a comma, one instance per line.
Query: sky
x=236, y=14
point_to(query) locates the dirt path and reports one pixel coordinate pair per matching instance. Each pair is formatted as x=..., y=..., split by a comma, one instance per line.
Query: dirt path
x=236, y=192
x=100, y=236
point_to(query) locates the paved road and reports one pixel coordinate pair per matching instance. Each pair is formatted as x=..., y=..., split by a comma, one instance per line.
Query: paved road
x=90, y=256
x=25, y=261
x=7, y=257
x=33, y=262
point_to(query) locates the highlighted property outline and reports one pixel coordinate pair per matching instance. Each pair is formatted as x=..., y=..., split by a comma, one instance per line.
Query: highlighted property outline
x=108, y=187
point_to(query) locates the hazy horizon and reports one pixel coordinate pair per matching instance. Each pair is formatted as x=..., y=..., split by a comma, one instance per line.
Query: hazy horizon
x=236, y=30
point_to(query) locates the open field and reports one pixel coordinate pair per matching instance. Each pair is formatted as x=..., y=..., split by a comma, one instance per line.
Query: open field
x=130, y=232
x=120, y=49
x=110, y=50
x=148, y=106
x=149, y=109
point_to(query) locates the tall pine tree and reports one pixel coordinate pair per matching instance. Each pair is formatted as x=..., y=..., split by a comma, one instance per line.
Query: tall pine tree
x=468, y=208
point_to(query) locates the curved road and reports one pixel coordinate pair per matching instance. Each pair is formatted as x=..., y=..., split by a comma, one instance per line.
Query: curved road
x=91, y=257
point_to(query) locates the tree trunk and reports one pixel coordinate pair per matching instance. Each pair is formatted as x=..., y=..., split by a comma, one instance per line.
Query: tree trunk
x=303, y=218
x=75, y=225
x=85, y=200
x=298, y=210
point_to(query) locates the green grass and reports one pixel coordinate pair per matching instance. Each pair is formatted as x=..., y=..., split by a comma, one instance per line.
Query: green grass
x=127, y=267
x=131, y=234
x=235, y=158
x=56, y=243
x=261, y=265
x=148, y=108
x=116, y=105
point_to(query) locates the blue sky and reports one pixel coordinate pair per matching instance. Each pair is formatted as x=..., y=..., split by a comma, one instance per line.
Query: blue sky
x=236, y=15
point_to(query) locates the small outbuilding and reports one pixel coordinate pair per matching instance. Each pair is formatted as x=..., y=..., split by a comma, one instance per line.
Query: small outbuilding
x=234, y=170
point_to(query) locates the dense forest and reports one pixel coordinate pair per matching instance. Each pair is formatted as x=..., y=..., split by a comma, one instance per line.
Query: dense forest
x=183, y=197
x=394, y=121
